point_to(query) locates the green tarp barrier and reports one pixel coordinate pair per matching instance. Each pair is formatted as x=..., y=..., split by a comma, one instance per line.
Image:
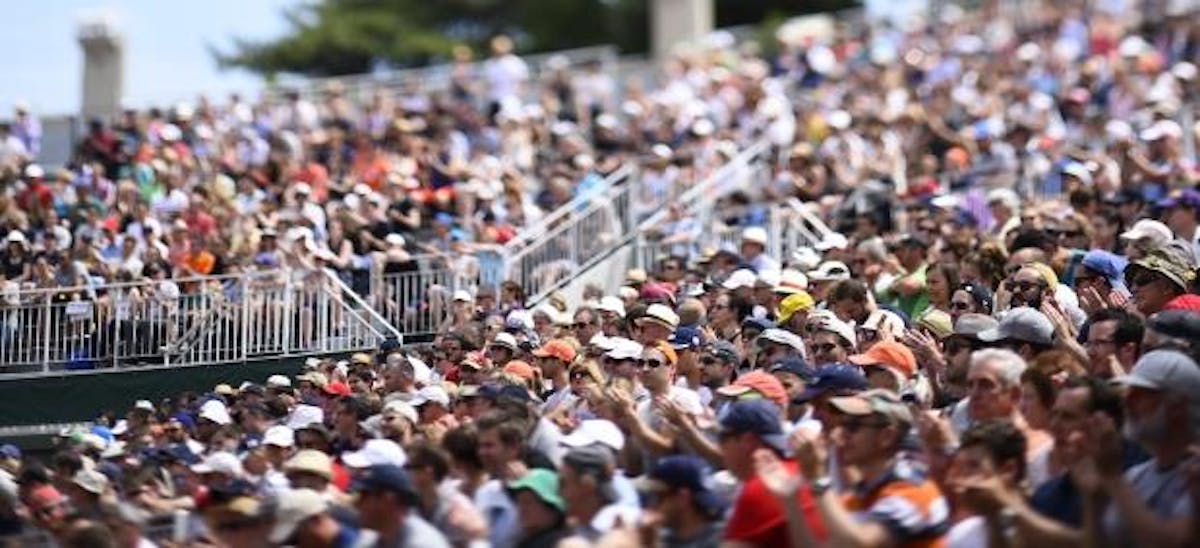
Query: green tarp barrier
x=84, y=396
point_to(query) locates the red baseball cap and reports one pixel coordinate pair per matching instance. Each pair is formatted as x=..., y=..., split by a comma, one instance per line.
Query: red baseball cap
x=338, y=388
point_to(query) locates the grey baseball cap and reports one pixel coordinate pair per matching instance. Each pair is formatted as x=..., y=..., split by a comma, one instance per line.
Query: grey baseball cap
x=1165, y=370
x=971, y=325
x=1021, y=324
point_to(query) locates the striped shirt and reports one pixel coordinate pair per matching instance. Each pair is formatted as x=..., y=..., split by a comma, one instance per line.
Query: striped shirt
x=906, y=502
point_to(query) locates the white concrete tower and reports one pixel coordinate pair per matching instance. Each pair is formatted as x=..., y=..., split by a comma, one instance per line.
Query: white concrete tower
x=679, y=21
x=103, y=66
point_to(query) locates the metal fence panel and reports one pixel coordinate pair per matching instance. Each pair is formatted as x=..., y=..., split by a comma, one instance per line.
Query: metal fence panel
x=191, y=321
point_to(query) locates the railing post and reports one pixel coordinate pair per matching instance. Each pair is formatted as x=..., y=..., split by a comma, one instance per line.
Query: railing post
x=49, y=335
x=287, y=313
x=322, y=327
x=115, y=315
x=245, y=298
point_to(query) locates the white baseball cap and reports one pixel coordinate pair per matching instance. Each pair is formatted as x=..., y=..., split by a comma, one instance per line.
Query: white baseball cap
x=1149, y=229
x=625, y=349
x=791, y=281
x=824, y=320
x=279, y=436
x=295, y=506
x=402, y=408
x=305, y=415
x=279, y=381
x=780, y=336
x=830, y=271
x=221, y=462
x=740, y=278
x=431, y=394
x=375, y=452
x=755, y=234
x=612, y=304
x=661, y=314
x=591, y=431
x=463, y=295
x=605, y=343
x=505, y=339
x=215, y=411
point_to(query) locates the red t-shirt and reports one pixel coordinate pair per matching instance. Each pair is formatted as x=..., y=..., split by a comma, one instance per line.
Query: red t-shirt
x=758, y=517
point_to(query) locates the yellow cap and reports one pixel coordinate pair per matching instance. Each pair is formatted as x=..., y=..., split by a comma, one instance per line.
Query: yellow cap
x=792, y=304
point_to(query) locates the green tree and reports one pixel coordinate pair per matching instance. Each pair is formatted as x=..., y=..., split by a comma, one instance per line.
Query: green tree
x=333, y=37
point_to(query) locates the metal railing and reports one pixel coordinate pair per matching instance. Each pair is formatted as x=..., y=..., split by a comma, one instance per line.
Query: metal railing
x=216, y=319
x=749, y=169
x=418, y=299
x=576, y=240
x=439, y=78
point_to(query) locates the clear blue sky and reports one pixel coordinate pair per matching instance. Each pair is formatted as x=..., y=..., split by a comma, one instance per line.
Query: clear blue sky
x=166, y=55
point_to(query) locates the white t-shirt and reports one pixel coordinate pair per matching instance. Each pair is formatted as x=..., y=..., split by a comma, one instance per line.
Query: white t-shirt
x=504, y=76
x=968, y=533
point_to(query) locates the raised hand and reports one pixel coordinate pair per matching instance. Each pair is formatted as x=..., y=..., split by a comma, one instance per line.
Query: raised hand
x=935, y=431
x=780, y=481
x=983, y=493
x=808, y=448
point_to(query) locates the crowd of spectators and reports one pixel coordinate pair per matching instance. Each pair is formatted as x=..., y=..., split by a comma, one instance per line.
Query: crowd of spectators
x=995, y=343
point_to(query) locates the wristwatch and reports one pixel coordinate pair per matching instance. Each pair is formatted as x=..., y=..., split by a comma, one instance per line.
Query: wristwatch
x=820, y=485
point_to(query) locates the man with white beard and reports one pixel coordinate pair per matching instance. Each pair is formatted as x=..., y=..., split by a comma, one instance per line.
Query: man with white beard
x=1149, y=502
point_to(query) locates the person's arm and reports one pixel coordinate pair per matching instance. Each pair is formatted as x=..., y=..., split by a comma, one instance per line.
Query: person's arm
x=784, y=485
x=1036, y=530
x=651, y=440
x=1147, y=528
x=692, y=435
x=845, y=530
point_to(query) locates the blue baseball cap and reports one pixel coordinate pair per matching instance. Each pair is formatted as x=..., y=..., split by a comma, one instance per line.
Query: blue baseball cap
x=1107, y=264
x=836, y=378
x=685, y=472
x=761, y=324
x=492, y=391
x=759, y=417
x=10, y=451
x=383, y=477
x=794, y=365
x=965, y=218
x=687, y=337
x=1189, y=198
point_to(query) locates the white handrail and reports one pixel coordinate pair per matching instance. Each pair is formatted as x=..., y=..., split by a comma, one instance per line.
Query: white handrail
x=529, y=235
x=376, y=318
x=704, y=190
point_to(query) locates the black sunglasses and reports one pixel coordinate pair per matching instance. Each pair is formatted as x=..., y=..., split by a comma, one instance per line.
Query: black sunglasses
x=1024, y=285
x=651, y=363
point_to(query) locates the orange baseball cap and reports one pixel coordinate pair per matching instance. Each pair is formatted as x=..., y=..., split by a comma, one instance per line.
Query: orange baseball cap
x=520, y=369
x=758, y=381
x=556, y=348
x=889, y=354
